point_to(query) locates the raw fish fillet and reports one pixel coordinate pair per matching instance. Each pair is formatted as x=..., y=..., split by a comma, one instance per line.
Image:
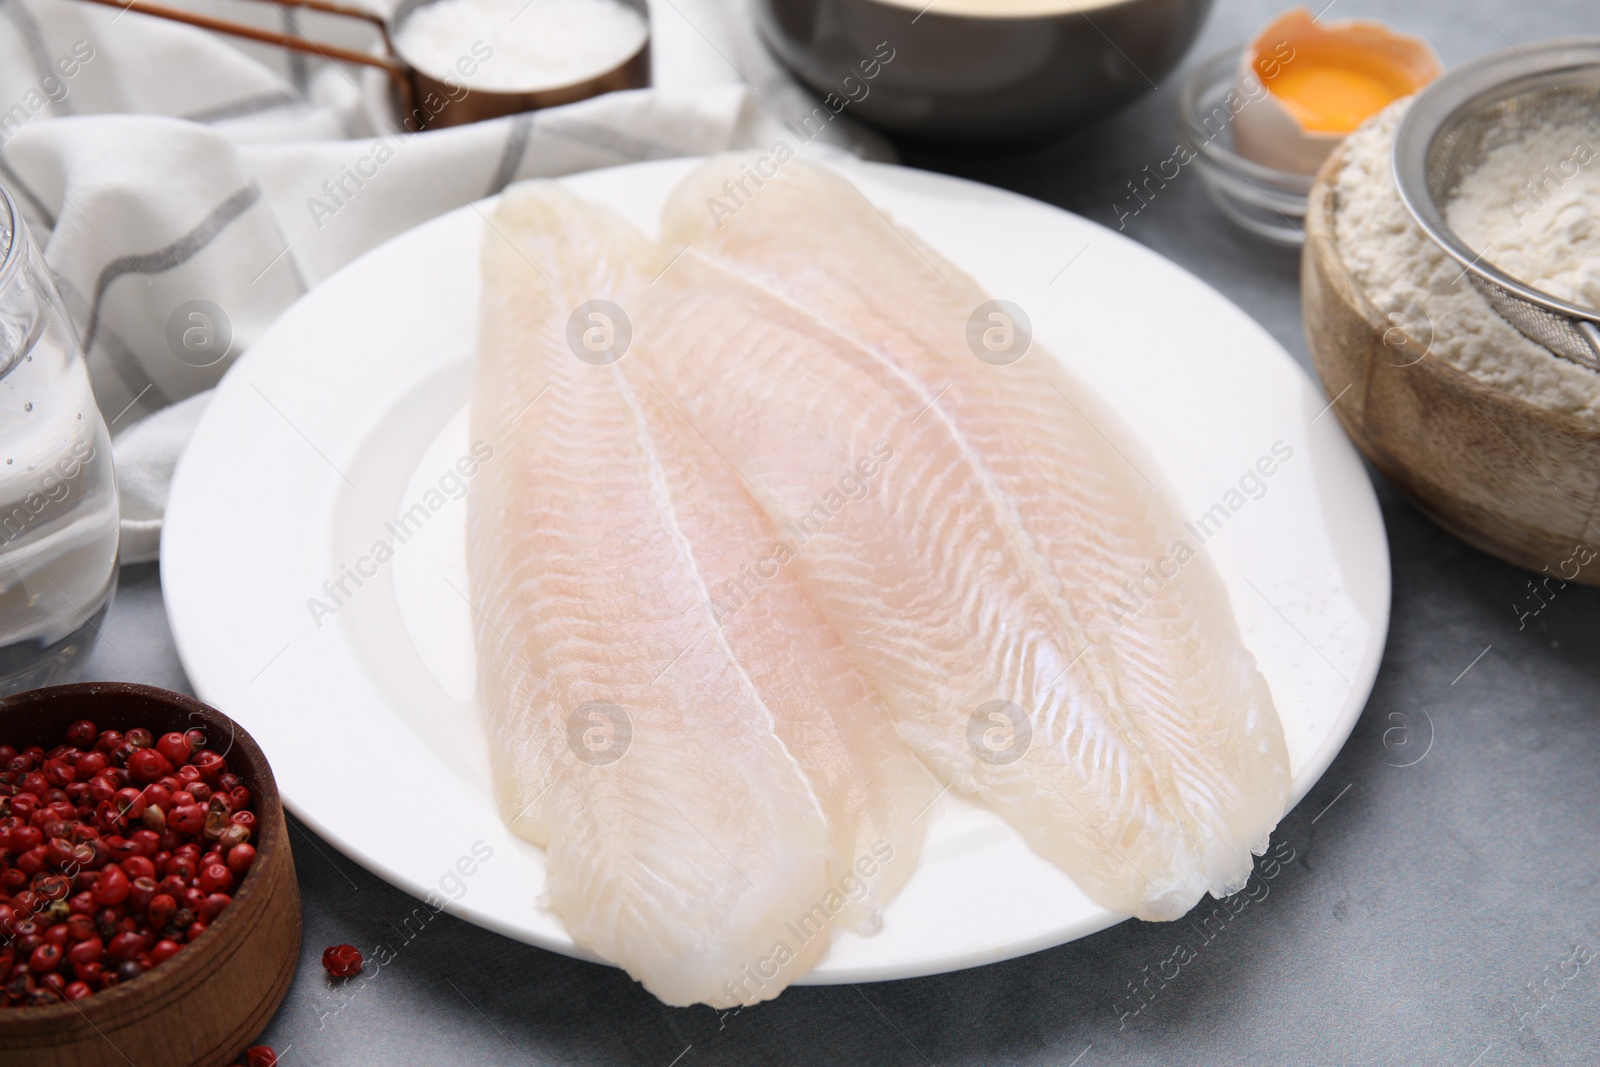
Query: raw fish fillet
x=713, y=781
x=1009, y=555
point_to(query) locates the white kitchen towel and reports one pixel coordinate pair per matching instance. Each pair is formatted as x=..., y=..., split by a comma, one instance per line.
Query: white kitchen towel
x=187, y=189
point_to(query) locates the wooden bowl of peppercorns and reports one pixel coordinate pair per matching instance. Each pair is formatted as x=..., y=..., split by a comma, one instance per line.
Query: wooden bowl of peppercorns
x=149, y=778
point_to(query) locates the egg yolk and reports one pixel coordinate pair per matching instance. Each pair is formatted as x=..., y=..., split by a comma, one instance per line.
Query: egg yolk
x=1335, y=94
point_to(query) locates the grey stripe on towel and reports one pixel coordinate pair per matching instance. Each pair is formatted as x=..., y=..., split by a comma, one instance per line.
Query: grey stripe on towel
x=33, y=39
x=250, y=105
x=174, y=254
x=511, y=156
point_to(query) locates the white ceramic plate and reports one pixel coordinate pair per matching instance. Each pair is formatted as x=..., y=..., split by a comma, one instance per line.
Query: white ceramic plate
x=350, y=411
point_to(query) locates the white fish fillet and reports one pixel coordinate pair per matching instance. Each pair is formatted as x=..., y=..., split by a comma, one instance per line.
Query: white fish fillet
x=712, y=793
x=1010, y=556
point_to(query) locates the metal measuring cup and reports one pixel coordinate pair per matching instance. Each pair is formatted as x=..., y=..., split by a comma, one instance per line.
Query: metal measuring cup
x=422, y=99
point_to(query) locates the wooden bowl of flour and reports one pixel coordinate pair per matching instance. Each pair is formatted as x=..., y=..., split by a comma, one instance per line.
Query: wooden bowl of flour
x=1507, y=476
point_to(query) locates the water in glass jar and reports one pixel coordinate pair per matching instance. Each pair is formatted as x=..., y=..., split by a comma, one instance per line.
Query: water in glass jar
x=58, y=503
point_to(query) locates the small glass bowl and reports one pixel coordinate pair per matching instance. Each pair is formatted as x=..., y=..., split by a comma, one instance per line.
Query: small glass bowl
x=1269, y=203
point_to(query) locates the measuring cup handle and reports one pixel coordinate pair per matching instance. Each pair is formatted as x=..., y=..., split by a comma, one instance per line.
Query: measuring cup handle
x=1591, y=337
x=398, y=72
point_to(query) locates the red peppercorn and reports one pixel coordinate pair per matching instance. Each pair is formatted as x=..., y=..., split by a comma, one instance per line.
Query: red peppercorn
x=59, y=772
x=90, y=764
x=136, y=866
x=142, y=892
x=211, y=765
x=29, y=936
x=130, y=803
x=342, y=961
x=157, y=795
x=196, y=739
x=89, y=950
x=145, y=842
x=59, y=851
x=187, y=818
x=162, y=907
x=148, y=764
x=112, y=887
x=102, y=787
x=175, y=747
x=240, y=857
x=216, y=879
x=260, y=1056
x=125, y=946
x=115, y=850
x=214, y=904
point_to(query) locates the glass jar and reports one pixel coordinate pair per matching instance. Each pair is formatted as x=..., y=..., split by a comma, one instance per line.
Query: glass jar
x=58, y=497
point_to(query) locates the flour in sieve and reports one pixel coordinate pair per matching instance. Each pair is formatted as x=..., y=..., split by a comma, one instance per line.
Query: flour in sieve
x=1391, y=259
x=1532, y=207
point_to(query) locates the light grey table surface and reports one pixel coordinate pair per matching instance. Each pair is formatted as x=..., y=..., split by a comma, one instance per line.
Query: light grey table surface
x=1446, y=912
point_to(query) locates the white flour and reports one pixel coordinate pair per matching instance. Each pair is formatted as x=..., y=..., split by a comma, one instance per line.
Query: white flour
x=532, y=44
x=1532, y=208
x=1395, y=264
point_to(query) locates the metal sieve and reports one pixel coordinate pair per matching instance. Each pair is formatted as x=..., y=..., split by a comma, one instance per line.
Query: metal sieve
x=1463, y=116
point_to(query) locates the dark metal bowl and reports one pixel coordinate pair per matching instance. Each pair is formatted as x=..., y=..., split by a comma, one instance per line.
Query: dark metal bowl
x=972, y=79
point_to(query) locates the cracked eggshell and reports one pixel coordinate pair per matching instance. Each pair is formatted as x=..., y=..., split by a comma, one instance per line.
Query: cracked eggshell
x=1307, y=85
